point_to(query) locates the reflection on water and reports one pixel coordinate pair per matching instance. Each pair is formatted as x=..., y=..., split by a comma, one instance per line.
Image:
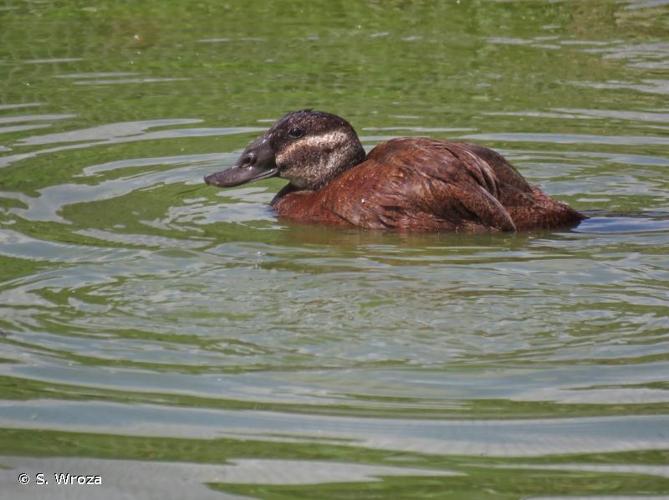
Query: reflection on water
x=189, y=480
x=617, y=224
x=154, y=327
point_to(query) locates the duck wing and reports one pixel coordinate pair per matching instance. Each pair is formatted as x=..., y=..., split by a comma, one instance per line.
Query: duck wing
x=419, y=184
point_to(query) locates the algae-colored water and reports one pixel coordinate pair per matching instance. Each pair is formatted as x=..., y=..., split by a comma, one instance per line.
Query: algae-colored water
x=181, y=342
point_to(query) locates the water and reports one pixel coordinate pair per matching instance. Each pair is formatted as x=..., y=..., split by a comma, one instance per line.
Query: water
x=180, y=341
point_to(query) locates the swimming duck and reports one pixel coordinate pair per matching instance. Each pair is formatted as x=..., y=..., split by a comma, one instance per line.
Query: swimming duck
x=404, y=184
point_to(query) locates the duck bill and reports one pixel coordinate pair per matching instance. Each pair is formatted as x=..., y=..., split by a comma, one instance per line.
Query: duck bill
x=240, y=174
x=256, y=162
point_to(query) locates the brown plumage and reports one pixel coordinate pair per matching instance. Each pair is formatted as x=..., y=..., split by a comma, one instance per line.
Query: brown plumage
x=405, y=184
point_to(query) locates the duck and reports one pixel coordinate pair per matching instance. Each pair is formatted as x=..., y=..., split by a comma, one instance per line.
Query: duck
x=406, y=184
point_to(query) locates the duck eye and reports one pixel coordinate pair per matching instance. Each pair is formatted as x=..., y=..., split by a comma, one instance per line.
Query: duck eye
x=295, y=133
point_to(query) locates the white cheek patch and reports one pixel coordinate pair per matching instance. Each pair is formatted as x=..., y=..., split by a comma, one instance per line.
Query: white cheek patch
x=328, y=140
x=308, y=161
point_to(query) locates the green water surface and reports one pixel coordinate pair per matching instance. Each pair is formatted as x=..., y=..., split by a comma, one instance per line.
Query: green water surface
x=181, y=342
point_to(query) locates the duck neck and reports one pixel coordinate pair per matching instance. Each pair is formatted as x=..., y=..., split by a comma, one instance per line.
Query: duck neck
x=340, y=163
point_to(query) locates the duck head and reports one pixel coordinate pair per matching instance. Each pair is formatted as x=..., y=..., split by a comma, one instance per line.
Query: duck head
x=308, y=148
